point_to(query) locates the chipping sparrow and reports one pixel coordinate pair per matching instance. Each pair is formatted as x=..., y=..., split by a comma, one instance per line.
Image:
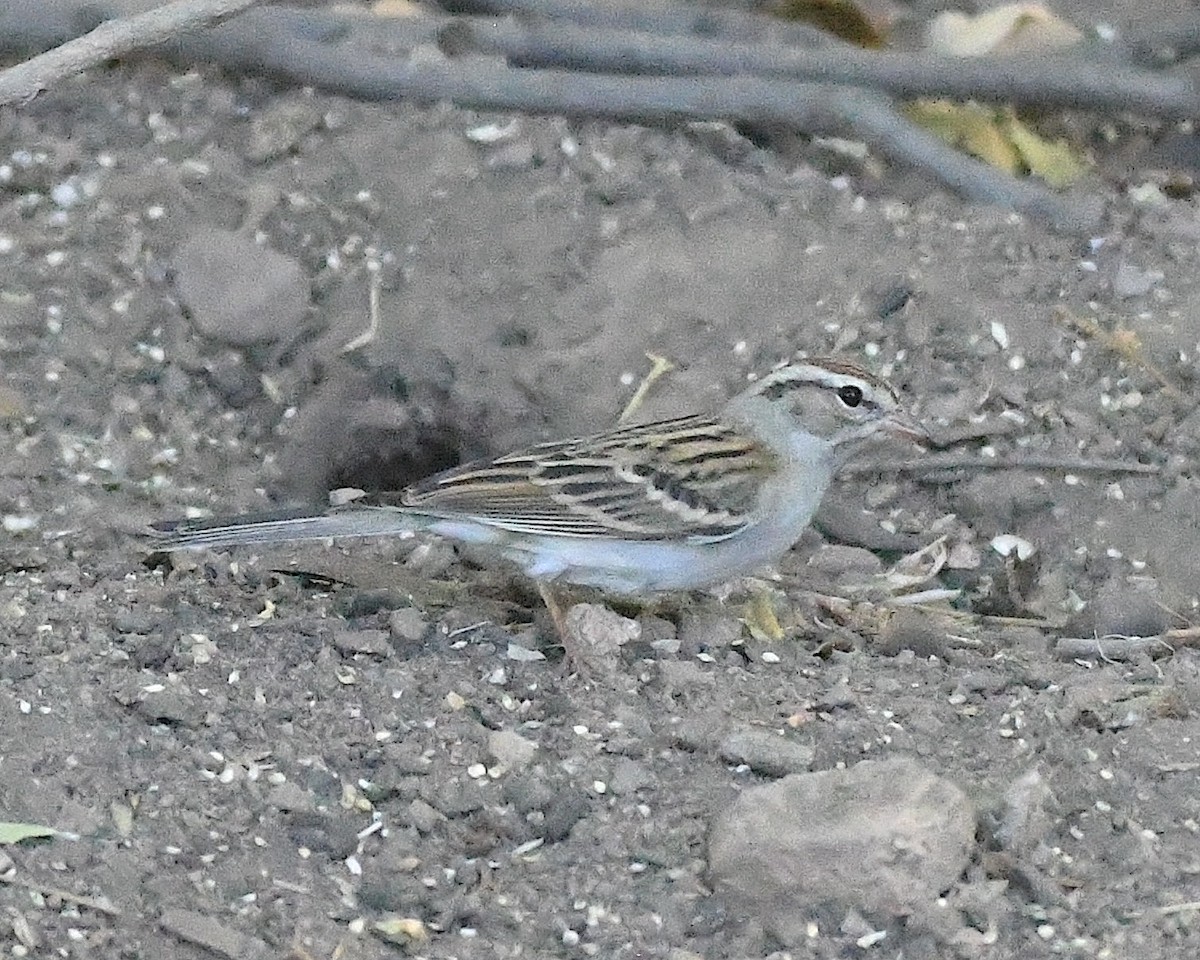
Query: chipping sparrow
x=672, y=505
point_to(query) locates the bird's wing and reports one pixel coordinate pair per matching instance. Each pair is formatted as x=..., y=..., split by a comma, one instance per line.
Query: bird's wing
x=693, y=477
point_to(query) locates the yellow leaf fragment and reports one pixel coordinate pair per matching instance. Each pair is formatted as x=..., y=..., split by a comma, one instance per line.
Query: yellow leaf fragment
x=761, y=619
x=1054, y=161
x=970, y=127
x=997, y=137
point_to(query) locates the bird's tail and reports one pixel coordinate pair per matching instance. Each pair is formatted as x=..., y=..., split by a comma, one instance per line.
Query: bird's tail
x=280, y=527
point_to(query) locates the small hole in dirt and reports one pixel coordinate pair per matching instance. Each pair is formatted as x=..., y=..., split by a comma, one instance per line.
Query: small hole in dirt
x=382, y=460
x=514, y=336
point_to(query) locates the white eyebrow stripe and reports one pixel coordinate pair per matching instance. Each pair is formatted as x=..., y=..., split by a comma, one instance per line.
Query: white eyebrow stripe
x=829, y=373
x=815, y=376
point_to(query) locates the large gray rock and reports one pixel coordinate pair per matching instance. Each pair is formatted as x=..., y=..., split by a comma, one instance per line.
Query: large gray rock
x=883, y=839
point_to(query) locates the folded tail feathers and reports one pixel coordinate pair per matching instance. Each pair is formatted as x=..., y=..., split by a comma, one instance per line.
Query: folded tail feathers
x=281, y=527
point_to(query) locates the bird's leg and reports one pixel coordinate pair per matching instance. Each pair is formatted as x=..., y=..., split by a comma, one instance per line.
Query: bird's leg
x=558, y=615
x=557, y=608
x=591, y=634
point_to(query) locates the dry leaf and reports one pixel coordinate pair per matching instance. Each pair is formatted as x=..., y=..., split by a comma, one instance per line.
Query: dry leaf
x=11, y=833
x=865, y=23
x=918, y=567
x=998, y=138
x=1055, y=161
x=395, y=8
x=761, y=619
x=971, y=127
x=1012, y=28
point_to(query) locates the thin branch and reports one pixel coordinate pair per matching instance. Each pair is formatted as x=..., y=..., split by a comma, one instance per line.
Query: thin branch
x=263, y=44
x=111, y=39
x=1162, y=40
x=934, y=463
x=1069, y=81
x=335, y=53
x=1118, y=648
x=100, y=904
x=664, y=19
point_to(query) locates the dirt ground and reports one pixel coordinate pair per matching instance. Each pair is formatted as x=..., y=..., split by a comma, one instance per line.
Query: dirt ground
x=366, y=750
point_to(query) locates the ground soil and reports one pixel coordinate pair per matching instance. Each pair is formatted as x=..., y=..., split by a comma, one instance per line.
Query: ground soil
x=264, y=753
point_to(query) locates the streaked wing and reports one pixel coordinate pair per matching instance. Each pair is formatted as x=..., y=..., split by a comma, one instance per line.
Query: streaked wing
x=693, y=477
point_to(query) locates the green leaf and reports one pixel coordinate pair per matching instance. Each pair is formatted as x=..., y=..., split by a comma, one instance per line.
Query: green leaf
x=16, y=832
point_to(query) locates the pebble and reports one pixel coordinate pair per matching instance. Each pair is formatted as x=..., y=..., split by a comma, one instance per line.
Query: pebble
x=1132, y=608
x=213, y=935
x=767, y=753
x=511, y=749
x=836, y=560
x=237, y=292
x=704, y=631
x=407, y=624
x=595, y=634
x=373, y=643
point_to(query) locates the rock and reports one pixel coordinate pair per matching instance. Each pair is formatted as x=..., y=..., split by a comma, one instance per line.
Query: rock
x=836, y=560
x=407, y=624
x=885, y=838
x=628, y=777
x=701, y=631
x=370, y=642
x=1131, y=608
x=510, y=749
x=213, y=935
x=1028, y=814
x=289, y=796
x=767, y=753
x=237, y=292
x=595, y=634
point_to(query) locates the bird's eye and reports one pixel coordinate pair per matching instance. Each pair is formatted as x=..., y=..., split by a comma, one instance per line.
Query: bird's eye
x=850, y=395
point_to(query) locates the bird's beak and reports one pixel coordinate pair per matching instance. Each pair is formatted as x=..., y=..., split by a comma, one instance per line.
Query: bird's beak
x=908, y=427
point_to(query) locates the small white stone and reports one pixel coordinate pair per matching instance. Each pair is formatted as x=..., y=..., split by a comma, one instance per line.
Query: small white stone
x=1007, y=544
x=14, y=523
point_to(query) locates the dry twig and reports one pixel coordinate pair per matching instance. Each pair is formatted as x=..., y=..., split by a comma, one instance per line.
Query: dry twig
x=1118, y=648
x=100, y=904
x=935, y=463
x=110, y=40
x=664, y=64
x=1064, y=81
